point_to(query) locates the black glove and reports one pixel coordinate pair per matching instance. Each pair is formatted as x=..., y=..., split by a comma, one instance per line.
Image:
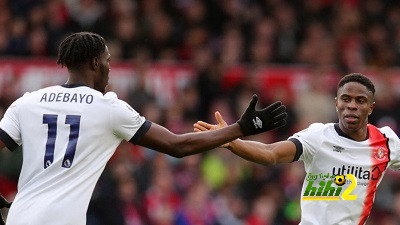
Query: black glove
x=257, y=121
x=3, y=204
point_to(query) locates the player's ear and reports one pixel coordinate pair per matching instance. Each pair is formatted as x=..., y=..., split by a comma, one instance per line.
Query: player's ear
x=371, y=108
x=94, y=63
x=336, y=102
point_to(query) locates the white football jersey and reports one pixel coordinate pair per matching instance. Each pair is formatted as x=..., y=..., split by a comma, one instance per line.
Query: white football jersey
x=68, y=134
x=326, y=151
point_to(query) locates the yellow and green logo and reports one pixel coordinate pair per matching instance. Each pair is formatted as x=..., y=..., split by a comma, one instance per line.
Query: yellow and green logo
x=326, y=192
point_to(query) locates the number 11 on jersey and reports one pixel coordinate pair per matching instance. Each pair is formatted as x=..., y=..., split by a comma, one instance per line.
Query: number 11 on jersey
x=51, y=120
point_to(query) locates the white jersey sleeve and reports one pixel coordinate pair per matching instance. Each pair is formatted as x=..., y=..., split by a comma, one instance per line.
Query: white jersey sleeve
x=125, y=121
x=308, y=140
x=394, y=145
x=11, y=126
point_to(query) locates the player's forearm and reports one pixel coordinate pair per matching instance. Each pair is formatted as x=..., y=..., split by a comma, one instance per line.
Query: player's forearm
x=193, y=143
x=253, y=151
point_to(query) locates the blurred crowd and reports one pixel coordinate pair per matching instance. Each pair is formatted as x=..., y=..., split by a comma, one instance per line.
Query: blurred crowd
x=140, y=186
x=349, y=33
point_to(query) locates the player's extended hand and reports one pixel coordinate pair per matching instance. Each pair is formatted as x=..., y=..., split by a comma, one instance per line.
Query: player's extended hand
x=203, y=126
x=3, y=204
x=257, y=121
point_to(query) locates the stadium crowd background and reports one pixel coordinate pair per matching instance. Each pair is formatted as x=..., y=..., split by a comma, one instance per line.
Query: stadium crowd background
x=140, y=186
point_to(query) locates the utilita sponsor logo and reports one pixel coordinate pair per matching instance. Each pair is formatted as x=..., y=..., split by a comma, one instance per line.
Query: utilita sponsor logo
x=358, y=172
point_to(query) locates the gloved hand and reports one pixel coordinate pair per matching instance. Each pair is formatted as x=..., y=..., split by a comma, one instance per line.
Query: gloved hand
x=257, y=121
x=3, y=204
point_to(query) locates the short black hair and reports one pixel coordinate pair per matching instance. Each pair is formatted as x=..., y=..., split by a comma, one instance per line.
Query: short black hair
x=359, y=78
x=79, y=48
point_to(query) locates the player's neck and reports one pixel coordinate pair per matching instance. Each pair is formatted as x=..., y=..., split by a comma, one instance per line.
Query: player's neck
x=74, y=79
x=360, y=134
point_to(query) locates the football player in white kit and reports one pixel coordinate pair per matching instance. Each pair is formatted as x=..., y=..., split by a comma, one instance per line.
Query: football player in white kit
x=351, y=146
x=69, y=132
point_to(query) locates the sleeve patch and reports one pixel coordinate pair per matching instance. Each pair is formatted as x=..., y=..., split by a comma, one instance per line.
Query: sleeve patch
x=7, y=140
x=141, y=132
x=299, y=148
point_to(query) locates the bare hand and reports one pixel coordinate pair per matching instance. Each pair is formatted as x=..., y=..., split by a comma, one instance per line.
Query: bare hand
x=203, y=126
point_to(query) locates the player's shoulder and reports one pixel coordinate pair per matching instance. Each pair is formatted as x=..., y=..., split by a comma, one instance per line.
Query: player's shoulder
x=313, y=131
x=47, y=89
x=387, y=131
x=41, y=91
x=318, y=127
x=112, y=96
x=115, y=101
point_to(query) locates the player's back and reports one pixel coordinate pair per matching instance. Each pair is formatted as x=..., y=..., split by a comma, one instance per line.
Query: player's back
x=67, y=138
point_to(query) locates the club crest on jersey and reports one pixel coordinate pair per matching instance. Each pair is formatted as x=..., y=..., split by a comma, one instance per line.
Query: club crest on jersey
x=257, y=122
x=380, y=153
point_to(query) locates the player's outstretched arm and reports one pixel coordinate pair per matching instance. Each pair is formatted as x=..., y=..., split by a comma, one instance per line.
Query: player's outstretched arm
x=265, y=154
x=3, y=204
x=257, y=152
x=251, y=122
x=203, y=126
